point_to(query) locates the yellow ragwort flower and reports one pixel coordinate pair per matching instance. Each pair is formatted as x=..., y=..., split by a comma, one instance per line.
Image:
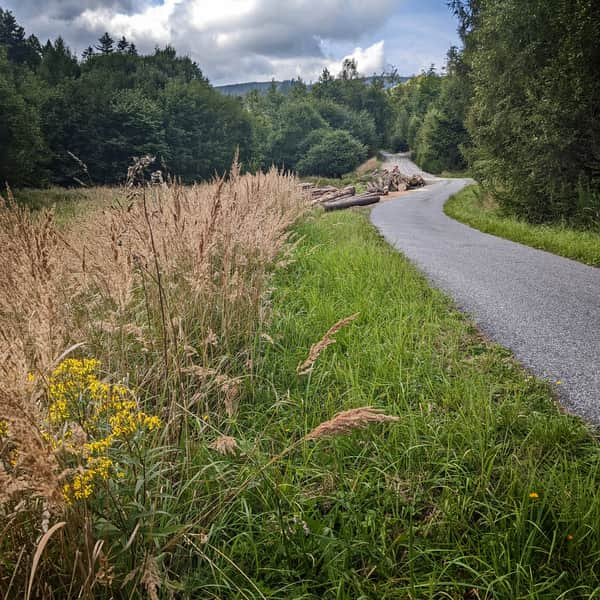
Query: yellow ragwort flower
x=108, y=415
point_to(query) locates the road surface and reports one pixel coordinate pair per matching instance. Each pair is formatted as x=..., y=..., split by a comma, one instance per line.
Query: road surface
x=543, y=307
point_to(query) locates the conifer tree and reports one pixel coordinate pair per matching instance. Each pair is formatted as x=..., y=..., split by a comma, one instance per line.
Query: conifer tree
x=105, y=44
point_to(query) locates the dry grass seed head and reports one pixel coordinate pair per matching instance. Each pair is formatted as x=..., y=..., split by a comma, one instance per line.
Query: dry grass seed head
x=225, y=445
x=324, y=342
x=350, y=420
x=151, y=578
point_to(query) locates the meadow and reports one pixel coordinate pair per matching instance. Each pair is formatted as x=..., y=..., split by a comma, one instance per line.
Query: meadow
x=212, y=392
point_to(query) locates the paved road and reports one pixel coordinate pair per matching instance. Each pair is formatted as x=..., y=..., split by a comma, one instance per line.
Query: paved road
x=545, y=308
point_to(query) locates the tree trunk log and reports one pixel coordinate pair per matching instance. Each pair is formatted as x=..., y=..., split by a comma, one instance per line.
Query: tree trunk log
x=363, y=200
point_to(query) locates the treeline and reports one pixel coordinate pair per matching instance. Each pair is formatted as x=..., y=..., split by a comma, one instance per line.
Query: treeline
x=325, y=129
x=56, y=110
x=519, y=104
x=65, y=120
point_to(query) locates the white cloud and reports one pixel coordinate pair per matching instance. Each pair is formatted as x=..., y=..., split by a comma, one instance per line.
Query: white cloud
x=370, y=60
x=232, y=40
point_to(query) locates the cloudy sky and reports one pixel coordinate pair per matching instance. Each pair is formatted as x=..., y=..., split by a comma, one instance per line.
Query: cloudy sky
x=255, y=40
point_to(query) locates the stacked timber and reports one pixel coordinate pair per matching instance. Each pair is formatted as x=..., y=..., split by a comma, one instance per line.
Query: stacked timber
x=382, y=183
x=332, y=198
x=386, y=181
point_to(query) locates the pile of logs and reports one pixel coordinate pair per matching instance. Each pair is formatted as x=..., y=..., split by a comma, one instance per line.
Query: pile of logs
x=381, y=184
x=332, y=198
x=386, y=181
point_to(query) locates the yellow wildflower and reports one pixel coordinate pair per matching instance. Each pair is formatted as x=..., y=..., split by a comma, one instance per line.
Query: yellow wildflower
x=534, y=495
x=105, y=414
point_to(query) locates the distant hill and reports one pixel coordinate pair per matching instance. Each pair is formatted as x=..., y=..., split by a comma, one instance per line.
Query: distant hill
x=241, y=89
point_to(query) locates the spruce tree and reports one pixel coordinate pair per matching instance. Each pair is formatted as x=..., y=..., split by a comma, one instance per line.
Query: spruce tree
x=87, y=53
x=123, y=45
x=105, y=44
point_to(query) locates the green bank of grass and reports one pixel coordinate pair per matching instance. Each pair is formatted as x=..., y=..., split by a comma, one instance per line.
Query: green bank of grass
x=481, y=490
x=68, y=203
x=471, y=207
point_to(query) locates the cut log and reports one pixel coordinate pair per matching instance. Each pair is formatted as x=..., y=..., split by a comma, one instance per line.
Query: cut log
x=415, y=181
x=362, y=200
x=328, y=200
x=324, y=190
x=347, y=191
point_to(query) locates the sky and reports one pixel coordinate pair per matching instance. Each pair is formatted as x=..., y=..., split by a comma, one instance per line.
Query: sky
x=236, y=41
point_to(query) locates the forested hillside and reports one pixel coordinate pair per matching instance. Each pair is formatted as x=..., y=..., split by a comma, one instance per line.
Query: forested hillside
x=65, y=120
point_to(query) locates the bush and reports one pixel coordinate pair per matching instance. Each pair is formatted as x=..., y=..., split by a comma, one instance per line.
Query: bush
x=359, y=123
x=295, y=122
x=337, y=152
x=437, y=144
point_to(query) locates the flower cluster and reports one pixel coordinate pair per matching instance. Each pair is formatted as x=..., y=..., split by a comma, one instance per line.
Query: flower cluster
x=91, y=419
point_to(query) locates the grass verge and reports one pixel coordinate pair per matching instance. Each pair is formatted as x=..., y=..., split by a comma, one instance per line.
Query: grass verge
x=471, y=208
x=482, y=490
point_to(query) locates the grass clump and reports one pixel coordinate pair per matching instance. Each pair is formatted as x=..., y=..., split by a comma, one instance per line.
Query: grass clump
x=472, y=207
x=125, y=334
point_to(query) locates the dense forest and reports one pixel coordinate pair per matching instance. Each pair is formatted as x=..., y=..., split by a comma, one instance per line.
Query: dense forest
x=65, y=120
x=517, y=105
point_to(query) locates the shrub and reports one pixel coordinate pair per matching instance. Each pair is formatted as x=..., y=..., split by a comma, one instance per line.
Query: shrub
x=337, y=152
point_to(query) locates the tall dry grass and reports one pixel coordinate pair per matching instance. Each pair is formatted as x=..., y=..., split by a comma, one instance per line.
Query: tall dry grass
x=166, y=290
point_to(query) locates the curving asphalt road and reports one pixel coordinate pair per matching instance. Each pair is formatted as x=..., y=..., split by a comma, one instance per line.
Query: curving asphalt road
x=543, y=307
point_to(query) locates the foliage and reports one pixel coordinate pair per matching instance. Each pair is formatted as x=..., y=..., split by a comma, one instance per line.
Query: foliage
x=533, y=120
x=430, y=113
x=107, y=109
x=92, y=422
x=294, y=122
x=84, y=121
x=22, y=148
x=518, y=104
x=331, y=154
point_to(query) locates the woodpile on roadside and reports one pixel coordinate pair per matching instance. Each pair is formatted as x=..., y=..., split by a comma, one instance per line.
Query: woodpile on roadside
x=382, y=183
x=332, y=198
x=386, y=181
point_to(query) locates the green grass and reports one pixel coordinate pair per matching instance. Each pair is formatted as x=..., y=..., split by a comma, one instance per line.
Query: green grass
x=435, y=506
x=471, y=207
x=68, y=203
